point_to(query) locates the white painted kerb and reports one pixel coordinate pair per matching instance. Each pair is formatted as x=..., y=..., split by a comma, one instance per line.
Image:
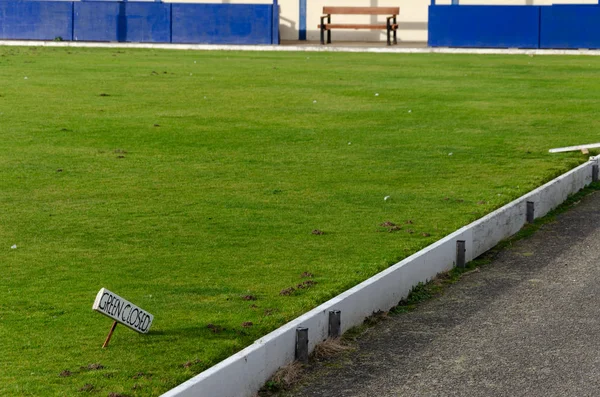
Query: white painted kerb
x=299, y=48
x=242, y=374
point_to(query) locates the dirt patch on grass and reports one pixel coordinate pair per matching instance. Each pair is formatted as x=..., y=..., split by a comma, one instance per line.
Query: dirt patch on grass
x=306, y=284
x=287, y=291
x=87, y=387
x=191, y=363
x=215, y=328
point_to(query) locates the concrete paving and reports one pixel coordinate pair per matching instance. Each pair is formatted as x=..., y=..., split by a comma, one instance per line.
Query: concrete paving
x=527, y=324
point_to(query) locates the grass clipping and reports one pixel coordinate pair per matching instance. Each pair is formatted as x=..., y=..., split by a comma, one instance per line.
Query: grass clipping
x=288, y=376
x=329, y=348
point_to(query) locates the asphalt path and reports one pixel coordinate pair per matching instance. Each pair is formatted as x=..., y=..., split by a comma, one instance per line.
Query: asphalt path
x=527, y=324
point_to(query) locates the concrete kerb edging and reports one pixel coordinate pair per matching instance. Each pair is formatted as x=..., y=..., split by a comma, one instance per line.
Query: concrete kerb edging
x=299, y=48
x=244, y=373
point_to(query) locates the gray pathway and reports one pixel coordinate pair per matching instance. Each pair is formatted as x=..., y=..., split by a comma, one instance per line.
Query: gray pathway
x=526, y=325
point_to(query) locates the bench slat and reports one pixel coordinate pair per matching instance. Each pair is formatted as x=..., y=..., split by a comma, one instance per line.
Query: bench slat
x=362, y=10
x=328, y=26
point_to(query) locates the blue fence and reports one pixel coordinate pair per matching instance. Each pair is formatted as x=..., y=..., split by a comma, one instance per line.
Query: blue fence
x=556, y=26
x=222, y=23
x=36, y=20
x=570, y=26
x=484, y=26
x=151, y=22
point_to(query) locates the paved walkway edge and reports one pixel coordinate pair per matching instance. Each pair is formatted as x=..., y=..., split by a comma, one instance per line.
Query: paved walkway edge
x=299, y=48
x=244, y=373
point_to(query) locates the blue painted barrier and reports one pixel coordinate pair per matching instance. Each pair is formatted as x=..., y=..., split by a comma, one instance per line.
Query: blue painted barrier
x=122, y=21
x=153, y=22
x=570, y=26
x=222, y=23
x=484, y=26
x=36, y=20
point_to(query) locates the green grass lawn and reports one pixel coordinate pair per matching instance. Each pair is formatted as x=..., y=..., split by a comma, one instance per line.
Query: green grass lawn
x=186, y=181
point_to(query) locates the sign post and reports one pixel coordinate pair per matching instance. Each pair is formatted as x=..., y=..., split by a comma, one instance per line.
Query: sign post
x=112, y=329
x=121, y=311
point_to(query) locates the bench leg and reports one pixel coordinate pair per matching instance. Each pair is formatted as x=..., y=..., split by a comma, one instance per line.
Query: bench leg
x=395, y=31
x=329, y=36
x=388, y=27
x=322, y=35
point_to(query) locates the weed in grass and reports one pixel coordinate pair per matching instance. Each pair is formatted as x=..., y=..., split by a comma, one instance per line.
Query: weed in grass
x=93, y=367
x=247, y=324
x=307, y=275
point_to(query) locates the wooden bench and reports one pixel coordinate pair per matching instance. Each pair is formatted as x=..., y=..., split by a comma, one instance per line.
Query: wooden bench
x=390, y=25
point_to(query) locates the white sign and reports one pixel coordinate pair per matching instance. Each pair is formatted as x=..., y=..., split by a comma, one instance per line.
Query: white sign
x=123, y=311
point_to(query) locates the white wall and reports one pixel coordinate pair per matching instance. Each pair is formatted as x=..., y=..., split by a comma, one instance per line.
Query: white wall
x=412, y=20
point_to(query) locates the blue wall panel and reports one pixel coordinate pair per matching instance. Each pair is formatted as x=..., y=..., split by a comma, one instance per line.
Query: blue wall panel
x=484, y=26
x=32, y=20
x=222, y=23
x=140, y=22
x=570, y=26
x=122, y=21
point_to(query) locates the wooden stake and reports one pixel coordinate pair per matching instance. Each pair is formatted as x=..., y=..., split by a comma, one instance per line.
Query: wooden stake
x=112, y=329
